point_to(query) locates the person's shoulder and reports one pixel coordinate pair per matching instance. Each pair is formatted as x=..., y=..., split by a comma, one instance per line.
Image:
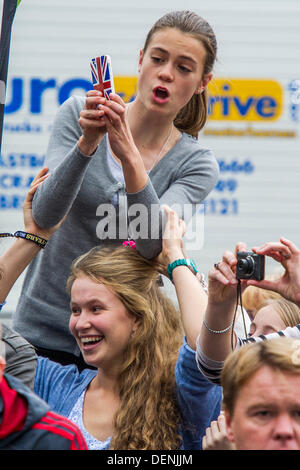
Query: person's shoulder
x=194, y=143
x=58, y=384
x=49, y=365
x=13, y=340
x=56, y=372
x=60, y=426
x=194, y=155
x=194, y=149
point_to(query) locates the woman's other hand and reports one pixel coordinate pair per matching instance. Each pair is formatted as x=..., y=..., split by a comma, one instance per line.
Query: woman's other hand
x=287, y=254
x=92, y=122
x=216, y=436
x=172, y=243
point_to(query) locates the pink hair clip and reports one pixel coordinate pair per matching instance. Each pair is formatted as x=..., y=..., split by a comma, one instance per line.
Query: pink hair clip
x=130, y=243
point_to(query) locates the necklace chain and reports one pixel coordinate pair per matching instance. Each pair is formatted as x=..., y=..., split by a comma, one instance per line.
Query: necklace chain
x=163, y=146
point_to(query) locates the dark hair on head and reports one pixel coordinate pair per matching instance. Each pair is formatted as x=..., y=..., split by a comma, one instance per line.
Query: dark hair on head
x=193, y=116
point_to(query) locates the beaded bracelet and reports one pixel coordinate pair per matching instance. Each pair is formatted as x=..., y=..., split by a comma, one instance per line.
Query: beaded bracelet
x=216, y=331
x=41, y=242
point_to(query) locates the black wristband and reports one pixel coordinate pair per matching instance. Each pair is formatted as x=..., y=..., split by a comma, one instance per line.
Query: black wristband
x=41, y=242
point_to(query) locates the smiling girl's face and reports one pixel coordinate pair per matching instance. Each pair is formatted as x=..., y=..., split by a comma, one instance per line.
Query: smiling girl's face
x=100, y=323
x=171, y=71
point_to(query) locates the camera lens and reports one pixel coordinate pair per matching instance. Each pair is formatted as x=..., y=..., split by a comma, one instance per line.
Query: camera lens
x=246, y=265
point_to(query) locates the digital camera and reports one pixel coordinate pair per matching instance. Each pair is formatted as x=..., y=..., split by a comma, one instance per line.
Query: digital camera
x=250, y=266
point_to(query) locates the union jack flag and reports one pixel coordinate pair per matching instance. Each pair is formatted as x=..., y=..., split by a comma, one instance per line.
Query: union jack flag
x=102, y=77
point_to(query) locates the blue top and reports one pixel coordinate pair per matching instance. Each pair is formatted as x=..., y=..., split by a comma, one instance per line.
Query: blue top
x=199, y=399
x=1, y=305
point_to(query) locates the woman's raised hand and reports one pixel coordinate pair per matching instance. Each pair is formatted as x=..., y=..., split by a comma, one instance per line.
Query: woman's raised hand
x=222, y=278
x=288, y=255
x=119, y=133
x=172, y=242
x=216, y=436
x=92, y=122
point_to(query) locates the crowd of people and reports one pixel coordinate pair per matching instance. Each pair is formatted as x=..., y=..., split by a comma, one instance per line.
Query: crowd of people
x=99, y=357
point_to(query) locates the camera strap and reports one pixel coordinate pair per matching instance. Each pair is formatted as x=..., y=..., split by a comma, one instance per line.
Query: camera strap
x=238, y=301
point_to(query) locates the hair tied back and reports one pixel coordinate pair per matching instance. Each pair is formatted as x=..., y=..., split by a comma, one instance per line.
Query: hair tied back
x=130, y=243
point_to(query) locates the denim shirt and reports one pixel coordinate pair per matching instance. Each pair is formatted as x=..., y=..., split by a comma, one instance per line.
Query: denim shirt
x=199, y=400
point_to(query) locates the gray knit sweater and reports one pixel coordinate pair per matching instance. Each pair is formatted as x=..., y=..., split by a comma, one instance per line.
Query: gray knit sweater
x=186, y=174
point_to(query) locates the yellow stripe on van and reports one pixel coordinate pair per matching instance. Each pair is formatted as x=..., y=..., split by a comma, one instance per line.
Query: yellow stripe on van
x=126, y=87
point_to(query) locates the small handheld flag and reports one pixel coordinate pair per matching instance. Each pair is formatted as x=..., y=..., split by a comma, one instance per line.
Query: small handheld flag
x=102, y=77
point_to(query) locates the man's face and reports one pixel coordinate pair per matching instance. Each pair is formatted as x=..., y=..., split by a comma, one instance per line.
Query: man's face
x=266, y=415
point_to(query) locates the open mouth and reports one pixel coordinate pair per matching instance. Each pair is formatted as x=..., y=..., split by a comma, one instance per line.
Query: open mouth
x=160, y=94
x=88, y=342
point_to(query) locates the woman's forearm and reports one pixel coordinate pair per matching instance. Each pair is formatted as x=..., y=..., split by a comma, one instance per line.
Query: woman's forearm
x=192, y=301
x=192, y=298
x=218, y=317
x=67, y=166
x=55, y=197
x=135, y=175
x=13, y=262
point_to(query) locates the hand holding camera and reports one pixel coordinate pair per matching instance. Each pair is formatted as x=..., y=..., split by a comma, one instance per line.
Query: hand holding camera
x=228, y=280
x=243, y=265
x=288, y=255
x=222, y=278
x=250, y=265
